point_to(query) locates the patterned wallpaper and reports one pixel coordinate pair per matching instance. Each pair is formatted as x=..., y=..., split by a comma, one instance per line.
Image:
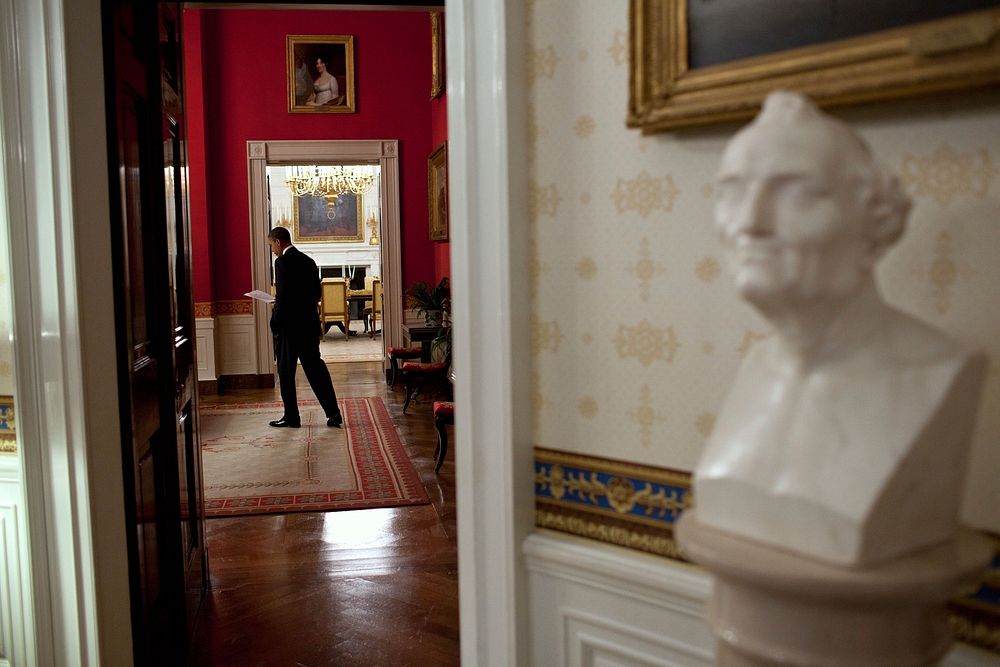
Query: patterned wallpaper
x=636, y=331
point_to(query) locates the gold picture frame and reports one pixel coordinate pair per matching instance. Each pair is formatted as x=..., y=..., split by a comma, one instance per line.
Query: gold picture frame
x=309, y=90
x=437, y=54
x=957, y=52
x=312, y=224
x=437, y=193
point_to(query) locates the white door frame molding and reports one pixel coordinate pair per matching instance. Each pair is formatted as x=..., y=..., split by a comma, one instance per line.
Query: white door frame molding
x=56, y=172
x=487, y=111
x=385, y=153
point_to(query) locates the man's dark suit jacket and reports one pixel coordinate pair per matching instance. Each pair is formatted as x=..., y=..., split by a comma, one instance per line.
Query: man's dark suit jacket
x=297, y=291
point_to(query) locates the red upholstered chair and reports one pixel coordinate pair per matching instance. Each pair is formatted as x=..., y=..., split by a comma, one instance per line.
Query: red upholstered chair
x=419, y=374
x=397, y=353
x=444, y=413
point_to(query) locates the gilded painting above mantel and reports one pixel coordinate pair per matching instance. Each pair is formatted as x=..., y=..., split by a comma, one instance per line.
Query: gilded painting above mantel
x=687, y=68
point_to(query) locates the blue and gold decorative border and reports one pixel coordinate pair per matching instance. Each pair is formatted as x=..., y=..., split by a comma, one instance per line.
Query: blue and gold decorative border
x=635, y=506
x=8, y=434
x=627, y=504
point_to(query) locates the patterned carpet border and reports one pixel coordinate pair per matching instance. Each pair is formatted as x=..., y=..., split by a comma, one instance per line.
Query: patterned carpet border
x=377, y=480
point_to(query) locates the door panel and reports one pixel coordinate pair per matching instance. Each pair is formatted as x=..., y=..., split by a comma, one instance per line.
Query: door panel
x=154, y=312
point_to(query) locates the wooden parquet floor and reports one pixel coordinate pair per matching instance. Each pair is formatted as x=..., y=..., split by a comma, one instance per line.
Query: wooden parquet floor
x=365, y=588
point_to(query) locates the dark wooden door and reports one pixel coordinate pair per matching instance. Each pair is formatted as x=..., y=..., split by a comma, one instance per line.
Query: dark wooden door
x=154, y=318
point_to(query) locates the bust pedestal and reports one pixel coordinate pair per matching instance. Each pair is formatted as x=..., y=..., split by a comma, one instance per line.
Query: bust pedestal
x=773, y=607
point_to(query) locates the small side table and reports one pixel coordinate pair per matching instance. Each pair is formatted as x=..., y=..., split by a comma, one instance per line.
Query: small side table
x=423, y=334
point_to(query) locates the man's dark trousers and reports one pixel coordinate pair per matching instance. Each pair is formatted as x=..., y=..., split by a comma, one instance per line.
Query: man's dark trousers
x=304, y=346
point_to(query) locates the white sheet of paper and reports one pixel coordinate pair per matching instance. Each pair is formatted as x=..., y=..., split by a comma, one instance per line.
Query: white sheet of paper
x=260, y=296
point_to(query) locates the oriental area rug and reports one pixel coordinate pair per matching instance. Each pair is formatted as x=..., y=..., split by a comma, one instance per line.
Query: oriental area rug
x=252, y=468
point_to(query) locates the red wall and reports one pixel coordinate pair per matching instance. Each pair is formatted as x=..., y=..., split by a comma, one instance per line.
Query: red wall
x=194, y=116
x=245, y=98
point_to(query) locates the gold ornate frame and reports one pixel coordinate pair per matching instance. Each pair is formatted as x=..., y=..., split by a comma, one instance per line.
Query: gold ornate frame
x=946, y=54
x=437, y=193
x=437, y=55
x=353, y=238
x=311, y=45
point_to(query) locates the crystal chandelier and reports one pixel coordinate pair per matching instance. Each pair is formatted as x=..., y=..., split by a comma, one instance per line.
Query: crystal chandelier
x=328, y=182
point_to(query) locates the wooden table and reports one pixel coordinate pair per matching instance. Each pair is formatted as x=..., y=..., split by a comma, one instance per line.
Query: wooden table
x=423, y=334
x=359, y=296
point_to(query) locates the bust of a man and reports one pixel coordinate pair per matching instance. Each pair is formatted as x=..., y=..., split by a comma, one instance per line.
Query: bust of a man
x=844, y=436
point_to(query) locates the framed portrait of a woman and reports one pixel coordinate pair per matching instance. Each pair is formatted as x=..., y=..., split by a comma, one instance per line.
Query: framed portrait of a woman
x=320, y=73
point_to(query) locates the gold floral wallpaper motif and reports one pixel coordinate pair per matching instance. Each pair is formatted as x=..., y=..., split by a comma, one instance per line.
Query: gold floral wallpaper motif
x=644, y=414
x=645, y=194
x=534, y=132
x=704, y=423
x=707, y=269
x=646, y=343
x=542, y=200
x=619, y=48
x=542, y=64
x=748, y=340
x=545, y=336
x=945, y=271
x=538, y=400
x=586, y=268
x=587, y=407
x=584, y=126
x=645, y=268
x=946, y=174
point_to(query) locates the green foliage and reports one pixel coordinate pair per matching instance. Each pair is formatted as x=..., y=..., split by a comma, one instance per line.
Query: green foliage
x=425, y=298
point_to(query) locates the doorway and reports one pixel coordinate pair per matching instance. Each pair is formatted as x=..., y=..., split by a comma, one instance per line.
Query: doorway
x=268, y=205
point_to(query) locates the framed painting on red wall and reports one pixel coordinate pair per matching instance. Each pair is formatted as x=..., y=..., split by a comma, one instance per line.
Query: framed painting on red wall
x=320, y=73
x=332, y=219
x=437, y=193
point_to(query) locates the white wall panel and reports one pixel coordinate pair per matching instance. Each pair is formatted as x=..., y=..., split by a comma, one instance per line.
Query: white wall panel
x=205, y=342
x=237, y=345
x=597, y=606
x=12, y=572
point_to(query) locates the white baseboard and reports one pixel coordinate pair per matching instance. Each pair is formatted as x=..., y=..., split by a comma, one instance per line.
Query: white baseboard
x=594, y=605
x=236, y=345
x=204, y=328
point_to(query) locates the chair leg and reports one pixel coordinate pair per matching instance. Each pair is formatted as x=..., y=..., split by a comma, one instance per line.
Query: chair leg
x=410, y=383
x=442, y=448
x=392, y=371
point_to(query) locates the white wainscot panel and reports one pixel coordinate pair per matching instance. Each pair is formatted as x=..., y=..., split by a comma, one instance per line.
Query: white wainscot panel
x=594, y=605
x=12, y=576
x=205, y=341
x=237, y=353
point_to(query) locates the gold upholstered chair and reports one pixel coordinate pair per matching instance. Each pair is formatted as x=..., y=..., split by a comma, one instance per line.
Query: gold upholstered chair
x=333, y=305
x=374, y=313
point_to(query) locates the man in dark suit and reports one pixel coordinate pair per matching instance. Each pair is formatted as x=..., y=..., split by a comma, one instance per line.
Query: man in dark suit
x=296, y=328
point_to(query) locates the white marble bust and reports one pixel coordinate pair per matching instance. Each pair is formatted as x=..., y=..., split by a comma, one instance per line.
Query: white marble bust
x=844, y=436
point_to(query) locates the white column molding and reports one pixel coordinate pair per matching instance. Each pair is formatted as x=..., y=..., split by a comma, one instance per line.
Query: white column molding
x=384, y=152
x=487, y=111
x=70, y=445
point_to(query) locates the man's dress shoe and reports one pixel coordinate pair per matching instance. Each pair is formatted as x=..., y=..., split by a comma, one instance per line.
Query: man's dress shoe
x=335, y=421
x=285, y=423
